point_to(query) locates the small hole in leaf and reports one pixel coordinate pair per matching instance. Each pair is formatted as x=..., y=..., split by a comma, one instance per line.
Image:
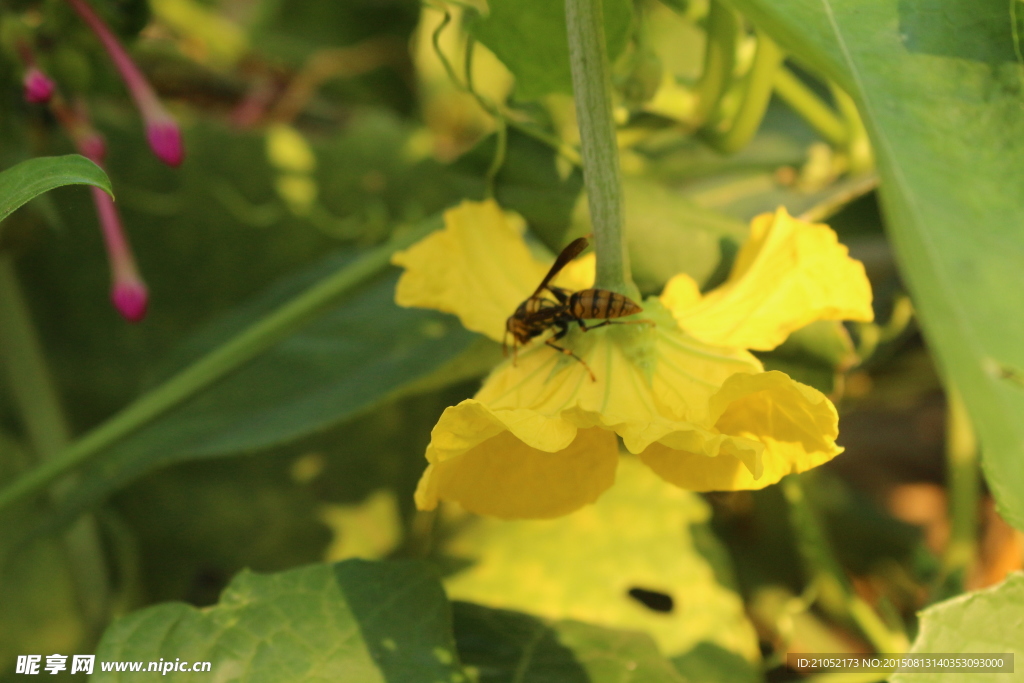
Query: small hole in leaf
x=653, y=600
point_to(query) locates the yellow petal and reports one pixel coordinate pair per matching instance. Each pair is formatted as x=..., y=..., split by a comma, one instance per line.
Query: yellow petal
x=789, y=273
x=478, y=462
x=478, y=267
x=680, y=293
x=796, y=425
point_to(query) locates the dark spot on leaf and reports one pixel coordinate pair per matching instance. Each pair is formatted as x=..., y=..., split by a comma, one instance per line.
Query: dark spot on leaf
x=653, y=600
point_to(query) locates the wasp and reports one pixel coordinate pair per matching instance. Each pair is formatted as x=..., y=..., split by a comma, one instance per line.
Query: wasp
x=539, y=313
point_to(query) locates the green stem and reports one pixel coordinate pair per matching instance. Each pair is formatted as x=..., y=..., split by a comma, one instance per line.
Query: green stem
x=824, y=570
x=963, y=485
x=241, y=349
x=757, y=93
x=435, y=39
x=591, y=81
x=807, y=104
x=29, y=378
x=1015, y=31
x=858, y=145
x=501, y=134
x=39, y=406
x=723, y=27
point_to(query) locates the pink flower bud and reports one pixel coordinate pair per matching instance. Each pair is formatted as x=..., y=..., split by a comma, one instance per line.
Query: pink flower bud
x=130, y=298
x=165, y=140
x=38, y=86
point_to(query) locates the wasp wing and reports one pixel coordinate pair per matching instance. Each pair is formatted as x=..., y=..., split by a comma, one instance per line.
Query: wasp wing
x=571, y=251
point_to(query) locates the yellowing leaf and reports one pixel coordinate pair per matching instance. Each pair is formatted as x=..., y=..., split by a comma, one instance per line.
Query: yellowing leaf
x=582, y=566
x=369, y=530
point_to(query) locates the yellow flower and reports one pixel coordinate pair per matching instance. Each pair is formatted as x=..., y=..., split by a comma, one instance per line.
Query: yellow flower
x=539, y=439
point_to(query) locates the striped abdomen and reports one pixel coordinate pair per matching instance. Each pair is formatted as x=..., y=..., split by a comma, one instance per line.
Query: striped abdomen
x=601, y=304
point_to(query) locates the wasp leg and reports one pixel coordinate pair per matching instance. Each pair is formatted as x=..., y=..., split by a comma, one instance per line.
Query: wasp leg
x=558, y=335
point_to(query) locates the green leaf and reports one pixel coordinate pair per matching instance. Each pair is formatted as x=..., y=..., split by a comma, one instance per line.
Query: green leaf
x=365, y=622
x=505, y=646
x=353, y=357
x=984, y=622
x=31, y=178
x=711, y=663
x=642, y=534
x=529, y=37
x=940, y=90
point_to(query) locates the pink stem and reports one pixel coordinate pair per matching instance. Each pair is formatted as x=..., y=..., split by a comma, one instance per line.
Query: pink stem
x=88, y=140
x=128, y=292
x=161, y=128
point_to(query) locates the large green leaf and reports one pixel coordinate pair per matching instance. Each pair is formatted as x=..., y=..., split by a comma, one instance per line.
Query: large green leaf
x=940, y=90
x=983, y=622
x=31, y=178
x=512, y=647
x=358, y=621
x=353, y=357
x=529, y=37
x=632, y=561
